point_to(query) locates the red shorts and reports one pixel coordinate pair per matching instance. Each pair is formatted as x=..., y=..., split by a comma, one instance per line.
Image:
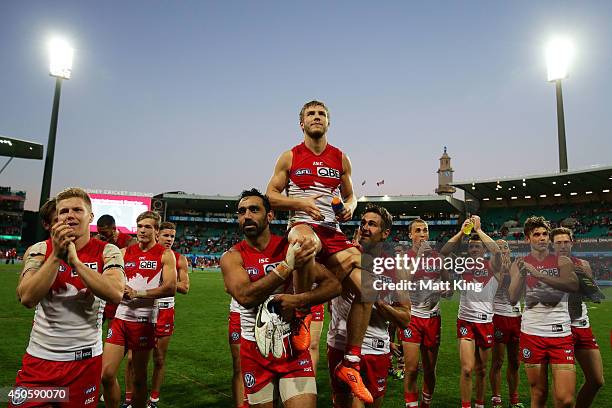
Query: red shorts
x=481, y=333
x=258, y=371
x=584, y=338
x=165, y=322
x=374, y=369
x=507, y=329
x=234, y=328
x=424, y=331
x=131, y=335
x=318, y=313
x=332, y=241
x=81, y=377
x=543, y=350
x=109, y=311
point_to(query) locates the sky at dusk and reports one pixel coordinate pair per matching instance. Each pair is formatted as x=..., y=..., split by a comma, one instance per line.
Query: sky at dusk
x=203, y=96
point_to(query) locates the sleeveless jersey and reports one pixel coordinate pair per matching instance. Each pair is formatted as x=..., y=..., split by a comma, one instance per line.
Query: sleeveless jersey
x=68, y=320
x=168, y=302
x=426, y=301
x=581, y=321
x=501, y=301
x=376, y=339
x=143, y=271
x=546, y=313
x=235, y=307
x=311, y=175
x=474, y=306
x=258, y=264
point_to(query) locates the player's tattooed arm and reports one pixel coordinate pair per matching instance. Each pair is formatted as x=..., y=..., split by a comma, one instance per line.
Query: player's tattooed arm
x=328, y=287
x=182, y=268
x=37, y=275
x=248, y=294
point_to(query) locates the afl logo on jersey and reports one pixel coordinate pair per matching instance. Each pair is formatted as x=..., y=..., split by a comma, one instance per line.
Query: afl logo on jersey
x=249, y=380
x=152, y=265
x=302, y=172
x=526, y=353
x=328, y=172
x=130, y=264
x=252, y=271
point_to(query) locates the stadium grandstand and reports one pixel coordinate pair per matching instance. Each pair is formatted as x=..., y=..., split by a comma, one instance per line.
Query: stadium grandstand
x=579, y=200
x=11, y=222
x=207, y=225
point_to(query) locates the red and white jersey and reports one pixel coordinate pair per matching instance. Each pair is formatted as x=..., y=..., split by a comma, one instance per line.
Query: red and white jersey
x=123, y=239
x=376, y=339
x=426, y=301
x=235, y=307
x=68, y=320
x=477, y=306
x=501, y=301
x=258, y=264
x=311, y=175
x=143, y=270
x=168, y=302
x=546, y=313
x=583, y=320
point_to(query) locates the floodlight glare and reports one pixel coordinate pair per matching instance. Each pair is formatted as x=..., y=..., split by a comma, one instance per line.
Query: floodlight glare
x=558, y=56
x=61, y=59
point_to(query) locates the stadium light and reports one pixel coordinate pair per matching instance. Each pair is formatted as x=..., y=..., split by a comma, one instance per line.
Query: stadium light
x=61, y=55
x=559, y=53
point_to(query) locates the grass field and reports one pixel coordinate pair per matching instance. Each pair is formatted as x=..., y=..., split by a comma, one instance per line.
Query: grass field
x=199, y=364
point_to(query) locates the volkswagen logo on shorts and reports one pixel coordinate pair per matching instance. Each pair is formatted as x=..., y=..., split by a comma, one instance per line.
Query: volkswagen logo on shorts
x=110, y=333
x=20, y=395
x=408, y=333
x=463, y=331
x=235, y=336
x=526, y=353
x=499, y=334
x=249, y=380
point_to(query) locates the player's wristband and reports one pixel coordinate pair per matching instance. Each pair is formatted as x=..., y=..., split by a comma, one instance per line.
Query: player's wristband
x=141, y=293
x=282, y=270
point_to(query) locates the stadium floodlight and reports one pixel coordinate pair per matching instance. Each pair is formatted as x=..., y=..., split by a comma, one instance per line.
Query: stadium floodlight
x=61, y=68
x=558, y=56
x=61, y=58
x=559, y=53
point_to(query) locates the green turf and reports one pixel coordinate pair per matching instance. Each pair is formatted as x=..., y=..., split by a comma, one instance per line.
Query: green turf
x=199, y=364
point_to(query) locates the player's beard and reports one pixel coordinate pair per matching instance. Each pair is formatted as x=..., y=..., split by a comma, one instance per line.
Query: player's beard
x=253, y=233
x=316, y=133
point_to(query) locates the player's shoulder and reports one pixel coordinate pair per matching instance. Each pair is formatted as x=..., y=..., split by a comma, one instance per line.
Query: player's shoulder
x=38, y=249
x=231, y=256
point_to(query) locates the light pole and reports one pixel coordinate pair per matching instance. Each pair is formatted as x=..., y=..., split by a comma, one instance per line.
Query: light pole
x=61, y=68
x=558, y=55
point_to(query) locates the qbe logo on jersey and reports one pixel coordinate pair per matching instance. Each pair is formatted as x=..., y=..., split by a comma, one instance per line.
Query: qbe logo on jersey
x=328, y=172
x=269, y=267
x=152, y=265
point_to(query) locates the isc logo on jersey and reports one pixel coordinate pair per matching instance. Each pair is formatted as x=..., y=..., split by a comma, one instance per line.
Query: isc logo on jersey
x=328, y=172
x=147, y=265
x=268, y=267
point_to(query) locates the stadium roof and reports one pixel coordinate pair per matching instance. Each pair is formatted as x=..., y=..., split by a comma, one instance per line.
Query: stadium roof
x=21, y=149
x=417, y=204
x=572, y=183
